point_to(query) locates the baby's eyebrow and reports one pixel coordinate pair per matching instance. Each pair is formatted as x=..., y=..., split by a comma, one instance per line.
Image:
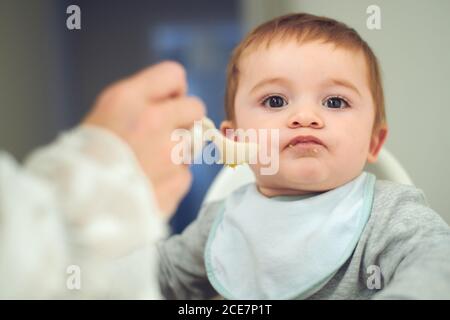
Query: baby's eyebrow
x=286, y=82
x=281, y=81
x=342, y=83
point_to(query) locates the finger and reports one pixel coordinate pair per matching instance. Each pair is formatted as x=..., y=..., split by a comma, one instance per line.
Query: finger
x=161, y=81
x=184, y=111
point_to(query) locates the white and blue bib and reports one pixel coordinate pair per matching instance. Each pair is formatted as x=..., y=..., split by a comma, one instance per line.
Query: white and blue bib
x=285, y=247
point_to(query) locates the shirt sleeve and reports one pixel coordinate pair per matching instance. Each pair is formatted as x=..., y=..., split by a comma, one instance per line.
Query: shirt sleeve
x=415, y=259
x=182, y=272
x=73, y=219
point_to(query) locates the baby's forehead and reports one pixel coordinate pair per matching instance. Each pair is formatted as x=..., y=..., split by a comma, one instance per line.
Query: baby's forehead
x=311, y=60
x=310, y=48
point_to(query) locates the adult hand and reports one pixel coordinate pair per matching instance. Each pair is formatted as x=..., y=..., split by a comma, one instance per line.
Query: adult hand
x=143, y=110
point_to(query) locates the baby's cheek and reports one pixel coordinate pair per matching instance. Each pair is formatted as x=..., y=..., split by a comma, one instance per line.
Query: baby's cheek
x=349, y=157
x=360, y=144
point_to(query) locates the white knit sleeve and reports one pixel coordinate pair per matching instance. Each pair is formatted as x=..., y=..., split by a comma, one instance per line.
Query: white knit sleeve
x=79, y=220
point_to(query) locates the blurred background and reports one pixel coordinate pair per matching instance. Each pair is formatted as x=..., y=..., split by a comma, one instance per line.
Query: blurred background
x=50, y=76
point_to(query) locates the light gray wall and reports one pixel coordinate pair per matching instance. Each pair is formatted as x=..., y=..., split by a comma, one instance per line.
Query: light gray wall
x=413, y=47
x=31, y=106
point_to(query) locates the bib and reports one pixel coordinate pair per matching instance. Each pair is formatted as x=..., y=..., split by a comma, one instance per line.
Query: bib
x=285, y=247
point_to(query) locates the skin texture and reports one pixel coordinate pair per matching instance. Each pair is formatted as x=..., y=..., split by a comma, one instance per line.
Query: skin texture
x=304, y=74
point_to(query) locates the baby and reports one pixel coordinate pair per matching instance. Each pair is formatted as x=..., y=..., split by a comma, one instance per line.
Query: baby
x=320, y=227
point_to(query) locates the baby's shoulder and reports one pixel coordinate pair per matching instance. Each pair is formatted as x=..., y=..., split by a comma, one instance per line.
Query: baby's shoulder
x=388, y=193
x=399, y=208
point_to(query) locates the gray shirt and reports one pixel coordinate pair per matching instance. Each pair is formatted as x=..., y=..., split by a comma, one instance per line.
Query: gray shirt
x=403, y=253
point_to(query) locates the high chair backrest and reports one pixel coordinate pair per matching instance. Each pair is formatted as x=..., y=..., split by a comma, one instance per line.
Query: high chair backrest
x=229, y=179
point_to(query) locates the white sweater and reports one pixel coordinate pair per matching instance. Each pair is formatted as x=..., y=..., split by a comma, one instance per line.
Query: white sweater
x=78, y=220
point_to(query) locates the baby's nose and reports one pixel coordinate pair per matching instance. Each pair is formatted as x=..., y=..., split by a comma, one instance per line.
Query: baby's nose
x=305, y=118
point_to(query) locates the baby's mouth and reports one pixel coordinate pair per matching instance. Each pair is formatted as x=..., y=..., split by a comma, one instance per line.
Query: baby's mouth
x=305, y=142
x=305, y=148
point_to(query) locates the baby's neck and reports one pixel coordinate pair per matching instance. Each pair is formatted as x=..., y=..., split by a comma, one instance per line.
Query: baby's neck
x=275, y=192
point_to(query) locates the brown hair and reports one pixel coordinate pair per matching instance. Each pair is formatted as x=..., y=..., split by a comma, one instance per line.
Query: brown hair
x=306, y=27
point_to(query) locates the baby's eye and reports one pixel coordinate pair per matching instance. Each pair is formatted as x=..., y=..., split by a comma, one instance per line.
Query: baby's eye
x=274, y=102
x=336, y=103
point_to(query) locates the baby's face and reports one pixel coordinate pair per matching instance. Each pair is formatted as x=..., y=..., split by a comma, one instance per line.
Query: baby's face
x=312, y=89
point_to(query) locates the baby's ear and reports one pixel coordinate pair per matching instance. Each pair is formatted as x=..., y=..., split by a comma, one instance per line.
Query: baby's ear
x=376, y=142
x=226, y=124
x=229, y=126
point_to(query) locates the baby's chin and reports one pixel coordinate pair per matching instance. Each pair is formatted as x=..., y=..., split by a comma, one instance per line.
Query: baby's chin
x=305, y=171
x=299, y=177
